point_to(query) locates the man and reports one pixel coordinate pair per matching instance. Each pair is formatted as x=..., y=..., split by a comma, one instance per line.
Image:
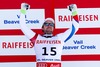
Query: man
x=48, y=48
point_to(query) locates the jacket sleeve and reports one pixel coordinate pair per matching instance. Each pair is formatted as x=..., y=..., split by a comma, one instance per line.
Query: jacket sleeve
x=28, y=32
x=72, y=30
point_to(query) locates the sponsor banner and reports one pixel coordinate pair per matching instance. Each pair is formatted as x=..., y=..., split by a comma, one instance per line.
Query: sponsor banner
x=88, y=18
x=82, y=45
x=63, y=18
x=16, y=45
x=81, y=64
x=78, y=44
x=64, y=64
x=18, y=64
x=53, y=64
x=10, y=18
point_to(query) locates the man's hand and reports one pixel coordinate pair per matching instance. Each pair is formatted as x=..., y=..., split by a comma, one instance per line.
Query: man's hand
x=24, y=7
x=72, y=7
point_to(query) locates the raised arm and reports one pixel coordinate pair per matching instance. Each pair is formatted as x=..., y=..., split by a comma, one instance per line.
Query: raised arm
x=28, y=32
x=75, y=24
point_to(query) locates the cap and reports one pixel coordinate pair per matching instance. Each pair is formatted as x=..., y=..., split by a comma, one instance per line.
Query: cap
x=49, y=19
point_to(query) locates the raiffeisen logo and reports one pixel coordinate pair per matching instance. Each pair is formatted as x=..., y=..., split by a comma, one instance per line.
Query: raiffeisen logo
x=85, y=15
x=28, y=21
x=62, y=18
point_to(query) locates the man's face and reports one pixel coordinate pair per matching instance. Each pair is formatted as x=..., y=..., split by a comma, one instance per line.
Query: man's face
x=48, y=27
